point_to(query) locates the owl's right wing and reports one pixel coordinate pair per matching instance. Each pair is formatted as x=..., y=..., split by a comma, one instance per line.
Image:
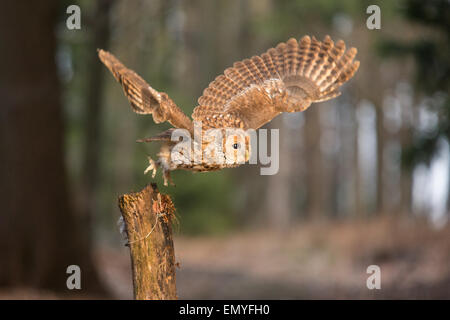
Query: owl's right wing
x=142, y=97
x=287, y=78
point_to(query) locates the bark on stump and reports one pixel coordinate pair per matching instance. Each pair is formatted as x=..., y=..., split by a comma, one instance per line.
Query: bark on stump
x=148, y=217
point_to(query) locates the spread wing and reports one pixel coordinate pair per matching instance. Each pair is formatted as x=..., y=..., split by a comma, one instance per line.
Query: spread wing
x=143, y=98
x=287, y=78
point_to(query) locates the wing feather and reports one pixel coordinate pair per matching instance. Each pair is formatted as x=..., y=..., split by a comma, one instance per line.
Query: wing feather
x=287, y=78
x=143, y=98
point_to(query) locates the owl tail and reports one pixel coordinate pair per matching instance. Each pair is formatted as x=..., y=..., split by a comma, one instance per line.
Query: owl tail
x=314, y=69
x=163, y=136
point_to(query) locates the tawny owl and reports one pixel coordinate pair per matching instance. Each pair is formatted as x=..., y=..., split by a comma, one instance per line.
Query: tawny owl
x=287, y=78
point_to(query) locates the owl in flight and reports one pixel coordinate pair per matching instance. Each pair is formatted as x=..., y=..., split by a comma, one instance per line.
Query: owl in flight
x=287, y=78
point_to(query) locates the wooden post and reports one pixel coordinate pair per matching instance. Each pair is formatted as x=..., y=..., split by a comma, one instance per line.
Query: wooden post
x=148, y=217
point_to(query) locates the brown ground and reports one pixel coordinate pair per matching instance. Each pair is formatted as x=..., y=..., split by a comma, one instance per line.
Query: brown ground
x=308, y=262
x=313, y=261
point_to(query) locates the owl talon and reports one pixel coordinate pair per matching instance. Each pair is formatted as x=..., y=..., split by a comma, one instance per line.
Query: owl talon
x=152, y=166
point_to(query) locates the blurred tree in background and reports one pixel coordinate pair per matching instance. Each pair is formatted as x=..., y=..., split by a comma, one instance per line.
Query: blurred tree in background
x=432, y=75
x=41, y=233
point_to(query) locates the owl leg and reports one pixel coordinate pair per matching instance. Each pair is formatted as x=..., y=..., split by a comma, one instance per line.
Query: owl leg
x=167, y=178
x=166, y=171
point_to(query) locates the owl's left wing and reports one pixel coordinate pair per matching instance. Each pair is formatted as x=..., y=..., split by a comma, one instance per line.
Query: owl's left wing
x=142, y=97
x=287, y=78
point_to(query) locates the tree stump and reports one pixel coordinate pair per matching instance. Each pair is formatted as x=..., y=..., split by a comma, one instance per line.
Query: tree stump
x=148, y=217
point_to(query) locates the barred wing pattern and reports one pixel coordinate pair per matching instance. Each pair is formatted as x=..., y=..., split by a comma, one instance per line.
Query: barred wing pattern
x=287, y=78
x=142, y=97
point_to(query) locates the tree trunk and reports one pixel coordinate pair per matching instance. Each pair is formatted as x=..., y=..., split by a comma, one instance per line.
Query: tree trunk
x=278, y=198
x=40, y=235
x=315, y=205
x=380, y=161
x=148, y=217
x=93, y=119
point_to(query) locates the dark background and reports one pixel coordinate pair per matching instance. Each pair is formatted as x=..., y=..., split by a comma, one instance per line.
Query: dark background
x=363, y=178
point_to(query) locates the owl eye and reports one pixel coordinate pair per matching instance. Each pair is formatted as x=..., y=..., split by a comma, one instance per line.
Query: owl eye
x=236, y=146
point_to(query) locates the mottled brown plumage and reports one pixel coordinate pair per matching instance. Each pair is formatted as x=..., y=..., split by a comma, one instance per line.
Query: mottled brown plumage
x=287, y=78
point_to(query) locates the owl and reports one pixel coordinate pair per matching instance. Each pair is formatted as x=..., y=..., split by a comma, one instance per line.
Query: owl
x=287, y=78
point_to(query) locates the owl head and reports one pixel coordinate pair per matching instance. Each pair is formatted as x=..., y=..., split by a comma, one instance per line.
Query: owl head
x=237, y=147
x=227, y=147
